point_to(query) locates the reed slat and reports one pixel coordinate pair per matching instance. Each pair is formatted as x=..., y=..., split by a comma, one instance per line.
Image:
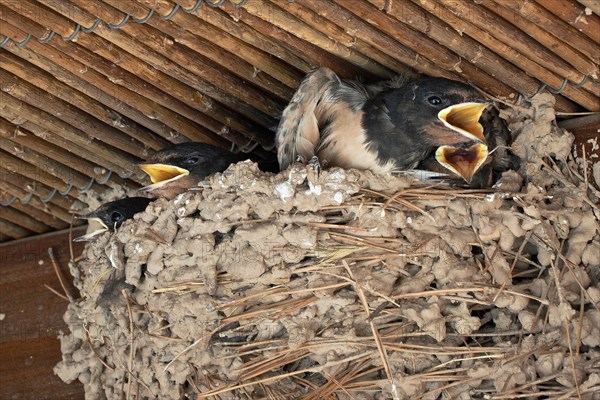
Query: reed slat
x=8, y=230
x=19, y=218
x=111, y=159
x=39, y=189
x=35, y=203
x=44, y=81
x=552, y=43
x=41, y=215
x=64, y=156
x=228, y=51
x=501, y=30
x=26, y=92
x=574, y=14
x=466, y=27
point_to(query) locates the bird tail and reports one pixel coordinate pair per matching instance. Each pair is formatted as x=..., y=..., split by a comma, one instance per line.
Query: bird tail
x=298, y=131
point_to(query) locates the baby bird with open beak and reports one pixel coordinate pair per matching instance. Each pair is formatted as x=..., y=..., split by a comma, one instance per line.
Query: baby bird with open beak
x=109, y=216
x=175, y=169
x=391, y=126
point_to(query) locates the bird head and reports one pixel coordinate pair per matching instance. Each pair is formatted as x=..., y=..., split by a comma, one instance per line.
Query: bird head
x=442, y=114
x=178, y=167
x=111, y=215
x=440, y=111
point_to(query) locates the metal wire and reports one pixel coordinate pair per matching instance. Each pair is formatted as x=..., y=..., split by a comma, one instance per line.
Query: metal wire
x=93, y=27
x=24, y=41
x=560, y=89
x=566, y=82
x=146, y=18
x=70, y=186
x=193, y=9
x=14, y=198
x=171, y=14
x=120, y=24
x=47, y=38
x=216, y=4
x=72, y=35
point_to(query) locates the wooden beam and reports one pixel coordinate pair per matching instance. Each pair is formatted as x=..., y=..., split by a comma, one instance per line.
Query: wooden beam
x=10, y=231
x=538, y=15
x=555, y=43
x=343, y=37
x=23, y=220
x=33, y=318
x=85, y=13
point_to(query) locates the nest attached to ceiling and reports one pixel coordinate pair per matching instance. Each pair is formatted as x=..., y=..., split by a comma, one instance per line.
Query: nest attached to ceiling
x=348, y=285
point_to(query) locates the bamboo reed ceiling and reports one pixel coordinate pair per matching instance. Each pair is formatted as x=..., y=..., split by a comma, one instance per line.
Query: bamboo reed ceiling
x=91, y=87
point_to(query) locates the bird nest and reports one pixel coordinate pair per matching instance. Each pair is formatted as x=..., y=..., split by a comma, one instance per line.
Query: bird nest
x=342, y=284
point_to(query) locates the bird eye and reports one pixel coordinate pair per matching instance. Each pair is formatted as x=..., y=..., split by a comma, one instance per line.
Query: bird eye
x=191, y=160
x=116, y=216
x=434, y=100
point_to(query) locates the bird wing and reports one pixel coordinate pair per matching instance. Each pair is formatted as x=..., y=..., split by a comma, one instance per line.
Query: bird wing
x=322, y=106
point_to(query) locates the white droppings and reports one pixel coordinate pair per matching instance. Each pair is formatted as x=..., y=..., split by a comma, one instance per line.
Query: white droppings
x=338, y=197
x=338, y=175
x=284, y=190
x=111, y=256
x=40, y=262
x=181, y=211
x=314, y=189
x=594, y=143
x=178, y=198
x=490, y=197
x=409, y=220
x=138, y=248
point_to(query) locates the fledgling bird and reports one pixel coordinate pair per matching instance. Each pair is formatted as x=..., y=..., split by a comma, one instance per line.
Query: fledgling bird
x=391, y=126
x=109, y=216
x=175, y=169
x=481, y=164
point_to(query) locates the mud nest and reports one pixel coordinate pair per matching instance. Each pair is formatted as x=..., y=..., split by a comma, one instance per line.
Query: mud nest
x=347, y=285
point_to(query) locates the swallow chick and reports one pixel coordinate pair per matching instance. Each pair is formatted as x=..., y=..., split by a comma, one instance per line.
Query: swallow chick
x=109, y=216
x=177, y=168
x=391, y=126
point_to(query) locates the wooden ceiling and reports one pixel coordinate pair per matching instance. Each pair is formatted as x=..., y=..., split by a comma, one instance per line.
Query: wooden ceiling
x=91, y=87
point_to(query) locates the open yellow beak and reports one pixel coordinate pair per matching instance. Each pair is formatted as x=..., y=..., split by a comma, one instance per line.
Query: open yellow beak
x=98, y=227
x=464, y=119
x=463, y=162
x=162, y=174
